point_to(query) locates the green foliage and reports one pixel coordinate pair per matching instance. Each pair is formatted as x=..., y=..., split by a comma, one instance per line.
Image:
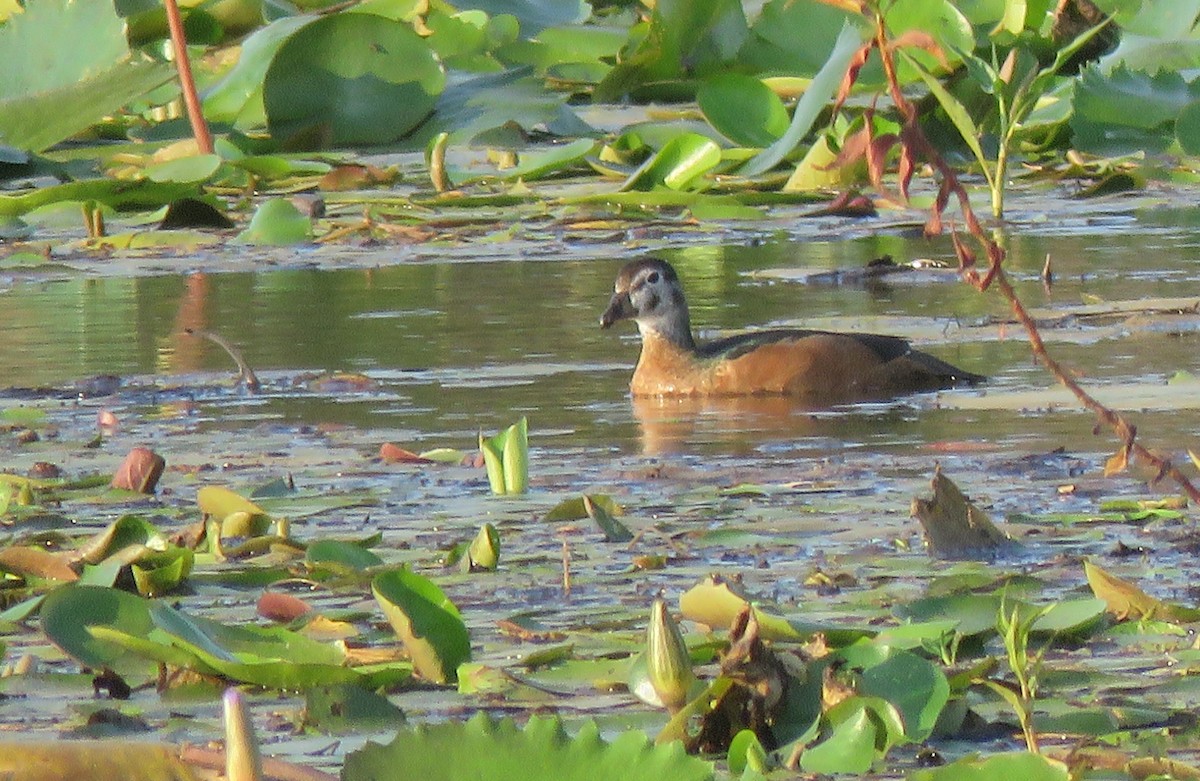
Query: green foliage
x=997, y=767
x=67, y=66
x=683, y=40
x=426, y=621
x=506, y=456
x=104, y=627
x=541, y=750
x=351, y=79
x=1127, y=111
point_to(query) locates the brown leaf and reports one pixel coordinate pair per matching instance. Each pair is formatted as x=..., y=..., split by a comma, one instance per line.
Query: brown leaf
x=1126, y=600
x=277, y=606
x=36, y=562
x=1118, y=462
x=356, y=177
x=877, y=152
x=856, y=64
x=854, y=147
x=954, y=527
x=394, y=454
x=919, y=39
x=139, y=471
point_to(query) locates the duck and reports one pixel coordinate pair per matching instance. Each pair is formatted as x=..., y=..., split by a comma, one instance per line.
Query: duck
x=818, y=367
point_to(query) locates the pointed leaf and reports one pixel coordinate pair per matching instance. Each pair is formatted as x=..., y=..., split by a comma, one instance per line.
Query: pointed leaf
x=426, y=621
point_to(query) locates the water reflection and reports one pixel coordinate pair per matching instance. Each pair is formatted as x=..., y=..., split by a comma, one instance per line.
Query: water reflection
x=460, y=346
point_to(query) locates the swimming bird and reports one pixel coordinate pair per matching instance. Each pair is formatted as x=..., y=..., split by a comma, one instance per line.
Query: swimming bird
x=820, y=367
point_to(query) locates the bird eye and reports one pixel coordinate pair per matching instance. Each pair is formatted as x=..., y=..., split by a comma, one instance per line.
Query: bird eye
x=653, y=278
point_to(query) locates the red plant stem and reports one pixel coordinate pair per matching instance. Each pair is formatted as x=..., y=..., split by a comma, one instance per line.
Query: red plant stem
x=190, y=99
x=995, y=274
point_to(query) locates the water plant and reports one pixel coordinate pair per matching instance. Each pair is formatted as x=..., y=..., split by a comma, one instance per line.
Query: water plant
x=506, y=456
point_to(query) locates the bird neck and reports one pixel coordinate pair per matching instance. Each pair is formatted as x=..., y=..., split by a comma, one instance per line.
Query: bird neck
x=673, y=326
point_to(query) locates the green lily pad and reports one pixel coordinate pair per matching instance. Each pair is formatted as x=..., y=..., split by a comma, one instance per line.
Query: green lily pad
x=539, y=751
x=849, y=749
x=997, y=767
x=346, y=554
x=680, y=165
x=69, y=611
x=743, y=109
x=277, y=222
x=351, y=79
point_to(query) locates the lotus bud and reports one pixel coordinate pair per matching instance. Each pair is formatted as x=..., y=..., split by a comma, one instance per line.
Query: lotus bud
x=243, y=762
x=668, y=664
x=484, y=552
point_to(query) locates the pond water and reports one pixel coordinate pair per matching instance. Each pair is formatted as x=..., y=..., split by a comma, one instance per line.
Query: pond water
x=459, y=346
x=456, y=346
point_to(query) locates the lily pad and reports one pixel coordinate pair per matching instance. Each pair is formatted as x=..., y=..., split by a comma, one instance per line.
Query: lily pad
x=540, y=751
x=351, y=78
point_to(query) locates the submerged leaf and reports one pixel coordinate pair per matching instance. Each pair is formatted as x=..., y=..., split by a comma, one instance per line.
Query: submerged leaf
x=1024, y=765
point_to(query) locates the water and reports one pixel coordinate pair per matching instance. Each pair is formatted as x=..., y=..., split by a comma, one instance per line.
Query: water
x=459, y=346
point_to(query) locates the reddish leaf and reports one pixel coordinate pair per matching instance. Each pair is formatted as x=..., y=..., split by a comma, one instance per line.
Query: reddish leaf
x=139, y=471
x=966, y=257
x=919, y=39
x=856, y=64
x=905, y=169
x=854, y=147
x=394, y=454
x=276, y=606
x=36, y=562
x=877, y=152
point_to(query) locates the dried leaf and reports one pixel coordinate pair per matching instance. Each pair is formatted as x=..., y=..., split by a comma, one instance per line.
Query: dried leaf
x=1118, y=462
x=394, y=454
x=954, y=527
x=1126, y=600
x=36, y=562
x=140, y=471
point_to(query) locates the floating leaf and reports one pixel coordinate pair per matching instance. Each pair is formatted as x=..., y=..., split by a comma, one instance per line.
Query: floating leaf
x=1024, y=765
x=68, y=612
x=277, y=222
x=743, y=109
x=345, y=554
x=483, y=748
x=614, y=530
x=1125, y=600
x=134, y=761
x=575, y=509
x=344, y=709
x=850, y=748
x=29, y=562
x=351, y=79
x=680, y=165
x=159, y=572
x=426, y=621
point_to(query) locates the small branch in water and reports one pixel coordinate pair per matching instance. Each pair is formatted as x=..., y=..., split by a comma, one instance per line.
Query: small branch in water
x=915, y=144
x=246, y=374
